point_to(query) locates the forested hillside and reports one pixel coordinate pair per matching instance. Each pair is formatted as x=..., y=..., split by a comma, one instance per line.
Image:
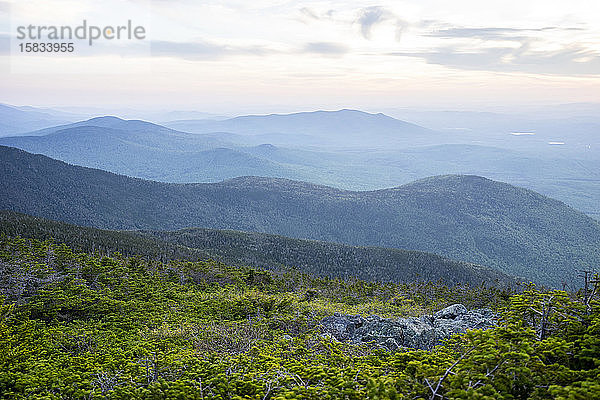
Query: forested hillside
x=332, y=259
x=466, y=218
x=260, y=250
x=83, y=326
x=100, y=241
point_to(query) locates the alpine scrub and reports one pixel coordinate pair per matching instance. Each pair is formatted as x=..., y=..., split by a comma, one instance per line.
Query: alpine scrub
x=88, y=326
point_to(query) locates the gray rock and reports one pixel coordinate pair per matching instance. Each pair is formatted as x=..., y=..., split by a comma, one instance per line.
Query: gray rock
x=451, y=312
x=423, y=332
x=342, y=327
x=387, y=334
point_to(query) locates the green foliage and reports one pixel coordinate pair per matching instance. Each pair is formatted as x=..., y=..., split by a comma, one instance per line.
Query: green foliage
x=85, y=326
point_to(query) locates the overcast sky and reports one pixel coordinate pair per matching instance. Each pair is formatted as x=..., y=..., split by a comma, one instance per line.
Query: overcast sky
x=263, y=56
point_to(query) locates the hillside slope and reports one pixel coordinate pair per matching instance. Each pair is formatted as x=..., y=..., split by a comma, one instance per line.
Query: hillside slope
x=260, y=250
x=467, y=218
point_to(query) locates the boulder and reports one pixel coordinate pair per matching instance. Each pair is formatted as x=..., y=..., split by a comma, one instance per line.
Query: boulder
x=451, y=312
x=423, y=332
x=342, y=327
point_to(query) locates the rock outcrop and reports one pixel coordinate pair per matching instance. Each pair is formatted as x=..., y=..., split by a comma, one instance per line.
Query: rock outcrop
x=413, y=332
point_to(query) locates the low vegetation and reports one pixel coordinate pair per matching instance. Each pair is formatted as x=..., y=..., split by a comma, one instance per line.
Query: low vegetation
x=82, y=326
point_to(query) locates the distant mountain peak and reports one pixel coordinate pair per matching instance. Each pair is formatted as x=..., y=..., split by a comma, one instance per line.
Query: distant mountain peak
x=111, y=121
x=266, y=147
x=456, y=182
x=456, y=178
x=106, y=118
x=344, y=127
x=344, y=110
x=341, y=111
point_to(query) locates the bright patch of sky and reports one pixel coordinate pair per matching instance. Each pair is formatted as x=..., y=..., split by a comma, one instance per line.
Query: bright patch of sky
x=222, y=56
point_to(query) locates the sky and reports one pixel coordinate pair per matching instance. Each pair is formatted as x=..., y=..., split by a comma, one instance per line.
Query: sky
x=236, y=56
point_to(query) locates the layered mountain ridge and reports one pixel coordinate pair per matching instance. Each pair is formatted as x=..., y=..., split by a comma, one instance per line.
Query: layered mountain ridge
x=466, y=218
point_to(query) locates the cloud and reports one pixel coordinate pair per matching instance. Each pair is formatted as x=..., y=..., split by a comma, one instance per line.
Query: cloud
x=523, y=54
x=493, y=33
x=569, y=60
x=196, y=51
x=310, y=14
x=325, y=48
x=307, y=12
x=207, y=51
x=369, y=17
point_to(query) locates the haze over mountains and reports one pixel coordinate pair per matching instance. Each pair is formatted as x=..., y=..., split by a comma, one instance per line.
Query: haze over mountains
x=466, y=218
x=17, y=120
x=576, y=131
x=575, y=125
x=343, y=128
x=126, y=147
x=539, y=133
x=346, y=149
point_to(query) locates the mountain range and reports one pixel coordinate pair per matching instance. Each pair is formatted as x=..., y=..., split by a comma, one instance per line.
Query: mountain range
x=342, y=128
x=125, y=147
x=18, y=120
x=300, y=153
x=466, y=218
